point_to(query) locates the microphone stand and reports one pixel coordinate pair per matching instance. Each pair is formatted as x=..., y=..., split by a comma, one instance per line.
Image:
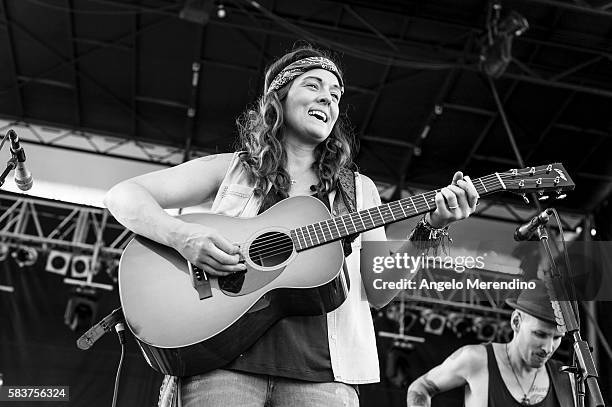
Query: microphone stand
x=584, y=371
x=11, y=164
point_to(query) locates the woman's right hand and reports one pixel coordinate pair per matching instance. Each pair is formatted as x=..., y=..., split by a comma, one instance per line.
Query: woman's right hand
x=205, y=248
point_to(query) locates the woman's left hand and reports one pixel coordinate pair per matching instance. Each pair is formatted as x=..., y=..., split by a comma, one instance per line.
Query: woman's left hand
x=454, y=202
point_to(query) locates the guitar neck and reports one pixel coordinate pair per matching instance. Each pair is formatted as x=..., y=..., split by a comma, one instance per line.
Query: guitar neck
x=340, y=227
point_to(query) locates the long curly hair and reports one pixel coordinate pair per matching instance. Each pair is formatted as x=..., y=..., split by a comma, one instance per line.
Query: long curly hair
x=260, y=131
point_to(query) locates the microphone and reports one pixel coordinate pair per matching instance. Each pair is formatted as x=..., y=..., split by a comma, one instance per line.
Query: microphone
x=526, y=230
x=23, y=177
x=120, y=329
x=98, y=330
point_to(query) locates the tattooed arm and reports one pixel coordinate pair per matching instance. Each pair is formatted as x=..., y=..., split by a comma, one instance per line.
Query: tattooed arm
x=453, y=372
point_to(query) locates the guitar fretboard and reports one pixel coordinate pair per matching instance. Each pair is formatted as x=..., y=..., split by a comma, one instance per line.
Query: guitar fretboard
x=339, y=227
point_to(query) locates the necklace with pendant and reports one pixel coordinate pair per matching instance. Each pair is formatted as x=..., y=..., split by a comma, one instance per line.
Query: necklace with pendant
x=525, y=399
x=294, y=181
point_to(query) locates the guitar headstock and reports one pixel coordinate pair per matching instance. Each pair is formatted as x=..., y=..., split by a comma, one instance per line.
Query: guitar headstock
x=542, y=179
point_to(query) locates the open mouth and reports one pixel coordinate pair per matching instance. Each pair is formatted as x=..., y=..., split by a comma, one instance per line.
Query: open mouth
x=318, y=114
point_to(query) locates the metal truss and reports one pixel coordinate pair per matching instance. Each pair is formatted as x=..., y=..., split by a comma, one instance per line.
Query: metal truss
x=116, y=146
x=456, y=303
x=47, y=225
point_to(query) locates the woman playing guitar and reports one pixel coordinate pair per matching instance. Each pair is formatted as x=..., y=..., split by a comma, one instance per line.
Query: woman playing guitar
x=293, y=143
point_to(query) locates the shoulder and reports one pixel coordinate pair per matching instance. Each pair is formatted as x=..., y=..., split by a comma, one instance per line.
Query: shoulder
x=367, y=182
x=223, y=157
x=370, y=193
x=215, y=165
x=471, y=359
x=475, y=353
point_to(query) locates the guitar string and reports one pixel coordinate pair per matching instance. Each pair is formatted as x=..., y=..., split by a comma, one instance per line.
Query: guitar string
x=262, y=250
x=262, y=244
x=259, y=248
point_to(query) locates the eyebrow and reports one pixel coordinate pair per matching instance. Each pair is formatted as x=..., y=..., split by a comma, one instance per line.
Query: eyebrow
x=321, y=81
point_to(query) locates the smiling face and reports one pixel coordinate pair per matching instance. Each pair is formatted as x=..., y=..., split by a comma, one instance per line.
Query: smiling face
x=311, y=106
x=537, y=340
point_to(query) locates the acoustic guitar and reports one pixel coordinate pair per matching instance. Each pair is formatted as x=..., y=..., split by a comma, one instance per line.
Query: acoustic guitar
x=188, y=323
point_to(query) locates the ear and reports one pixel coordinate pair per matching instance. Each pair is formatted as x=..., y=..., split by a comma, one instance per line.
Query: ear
x=516, y=321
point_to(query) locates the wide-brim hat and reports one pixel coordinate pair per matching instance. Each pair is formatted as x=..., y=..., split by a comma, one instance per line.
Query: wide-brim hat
x=535, y=302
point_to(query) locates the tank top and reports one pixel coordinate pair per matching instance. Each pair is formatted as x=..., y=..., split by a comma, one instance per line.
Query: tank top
x=499, y=395
x=295, y=347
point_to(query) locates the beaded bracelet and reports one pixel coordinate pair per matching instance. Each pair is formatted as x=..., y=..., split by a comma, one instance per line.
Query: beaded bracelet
x=427, y=238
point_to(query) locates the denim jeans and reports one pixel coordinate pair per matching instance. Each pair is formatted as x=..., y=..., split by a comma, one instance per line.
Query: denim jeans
x=227, y=388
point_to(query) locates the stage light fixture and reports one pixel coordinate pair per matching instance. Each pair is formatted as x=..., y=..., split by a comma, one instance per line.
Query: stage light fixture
x=197, y=11
x=434, y=322
x=460, y=324
x=504, y=332
x=80, y=267
x=486, y=329
x=111, y=268
x=25, y=256
x=4, y=251
x=496, y=52
x=410, y=318
x=58, y=262
x=81, y=309
x=221, y=13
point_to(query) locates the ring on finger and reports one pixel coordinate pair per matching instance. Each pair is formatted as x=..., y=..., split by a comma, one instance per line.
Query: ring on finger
x=453, y=207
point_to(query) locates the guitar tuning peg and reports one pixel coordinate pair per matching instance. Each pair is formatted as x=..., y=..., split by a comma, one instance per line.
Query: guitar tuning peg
x=525, y=198
x=543, y=197
x=561, y=196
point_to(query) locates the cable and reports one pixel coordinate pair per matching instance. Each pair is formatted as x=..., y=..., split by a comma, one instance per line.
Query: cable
x=4, y=140
x=568, y=268
x=120, y=328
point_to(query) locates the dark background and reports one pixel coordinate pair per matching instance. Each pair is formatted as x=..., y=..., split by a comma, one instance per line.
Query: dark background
x=123, y=69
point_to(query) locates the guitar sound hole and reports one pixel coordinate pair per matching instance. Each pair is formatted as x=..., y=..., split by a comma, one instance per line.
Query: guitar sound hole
x=270, y=249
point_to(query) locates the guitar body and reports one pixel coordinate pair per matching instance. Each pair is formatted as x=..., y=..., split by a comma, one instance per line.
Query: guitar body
x=182, y=335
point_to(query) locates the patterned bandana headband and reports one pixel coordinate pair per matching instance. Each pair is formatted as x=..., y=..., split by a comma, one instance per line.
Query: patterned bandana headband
x=297, y=68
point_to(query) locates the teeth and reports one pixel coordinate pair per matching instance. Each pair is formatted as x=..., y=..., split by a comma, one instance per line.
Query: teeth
x=318, y=114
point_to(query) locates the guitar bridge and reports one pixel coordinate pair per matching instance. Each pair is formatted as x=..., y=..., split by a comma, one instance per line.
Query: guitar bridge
x=200, y=281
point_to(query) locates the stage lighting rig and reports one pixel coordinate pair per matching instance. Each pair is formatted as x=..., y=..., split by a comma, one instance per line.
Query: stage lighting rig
x=25, y=256
x=486, y=329
x=58, y=262
x=81, y=309
x=4, y=251
x=433, y=321
x=496, y=51
x=460, y=324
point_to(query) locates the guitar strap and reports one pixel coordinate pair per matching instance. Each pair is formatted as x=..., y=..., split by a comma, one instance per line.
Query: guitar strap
x=348, y=202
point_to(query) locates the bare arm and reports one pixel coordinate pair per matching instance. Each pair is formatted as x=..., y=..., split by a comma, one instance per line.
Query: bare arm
x=460, y=195
x=453, y=372
x=378, y=298
x=139, y=204
x=371, y=198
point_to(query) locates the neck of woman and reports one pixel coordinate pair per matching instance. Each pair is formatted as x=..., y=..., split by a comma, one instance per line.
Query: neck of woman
x=299, y=157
